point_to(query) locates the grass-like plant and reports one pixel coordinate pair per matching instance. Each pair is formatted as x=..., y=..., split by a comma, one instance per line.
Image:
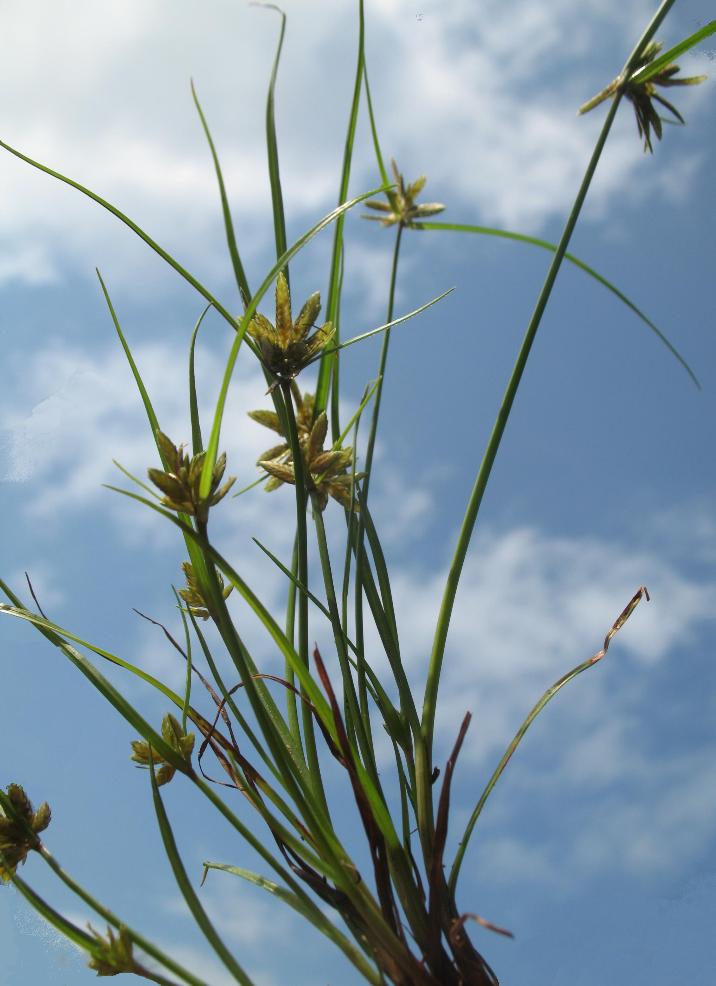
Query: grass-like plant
x=403, y=922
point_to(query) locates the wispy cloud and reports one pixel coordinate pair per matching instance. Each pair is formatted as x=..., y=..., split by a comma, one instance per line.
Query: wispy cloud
x=110, y=106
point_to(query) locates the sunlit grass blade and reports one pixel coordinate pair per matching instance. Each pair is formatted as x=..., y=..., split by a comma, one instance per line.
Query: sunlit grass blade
x=640, y=594
x=390, y=645
x=195, y=554
x=227, y=697
x=187, y=891
x=320, y=921
x=167, y=257
x=197, y=444
x=546, y=245
x=239, y=273
x=653, y=68
x=279, y=219
x=290, y=626
x=213, y=446
x=326, y=369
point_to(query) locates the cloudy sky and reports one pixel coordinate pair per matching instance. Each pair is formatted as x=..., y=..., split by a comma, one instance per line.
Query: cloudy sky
x=598, y=847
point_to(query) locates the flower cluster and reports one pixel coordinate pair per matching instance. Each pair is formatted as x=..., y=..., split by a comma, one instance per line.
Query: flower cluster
x=194, y=597
x=401, y=207
x=642, y=94
x=176, y=738
x=281, y=453
x=286, y=348
x=180, y=482
x=328, y=472
x=18, y=834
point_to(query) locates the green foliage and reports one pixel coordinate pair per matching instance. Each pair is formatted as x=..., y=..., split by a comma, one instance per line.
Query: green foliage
x=401, y=922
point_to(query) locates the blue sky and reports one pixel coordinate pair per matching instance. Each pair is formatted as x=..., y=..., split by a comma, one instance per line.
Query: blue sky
x=598, y=848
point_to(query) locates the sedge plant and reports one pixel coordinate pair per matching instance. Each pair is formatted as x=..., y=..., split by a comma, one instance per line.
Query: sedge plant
x=401, y=920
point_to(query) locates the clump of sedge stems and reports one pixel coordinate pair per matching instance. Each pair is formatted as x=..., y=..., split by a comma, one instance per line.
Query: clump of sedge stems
x=403, y=921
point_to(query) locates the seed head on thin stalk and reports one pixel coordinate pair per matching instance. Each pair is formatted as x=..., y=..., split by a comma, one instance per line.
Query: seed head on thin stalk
x=269, y=419
x=193, y=595
x=285, y=347
x=643, y=94
x=401, y=208
x=181, y=480
x=179, y=740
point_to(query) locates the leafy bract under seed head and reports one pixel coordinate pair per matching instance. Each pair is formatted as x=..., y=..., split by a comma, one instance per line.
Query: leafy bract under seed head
x=642, y=94
x=401, y=208
x=19, y=828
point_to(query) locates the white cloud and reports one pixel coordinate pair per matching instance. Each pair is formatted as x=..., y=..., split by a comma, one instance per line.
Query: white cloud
x=77, y=412
x=29, y=264
x=531, y=606
x=487, y=110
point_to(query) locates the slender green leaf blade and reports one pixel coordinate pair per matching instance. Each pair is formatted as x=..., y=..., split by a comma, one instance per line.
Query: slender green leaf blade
x=673, y=53
x=132, y=225
x=188, y=893
x=546, y=245
x=239, y=273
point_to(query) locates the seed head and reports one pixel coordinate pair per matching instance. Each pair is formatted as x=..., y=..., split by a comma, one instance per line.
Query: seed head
x=401, y=207
x=19, y=825
x=286, y=348
x=642, y=95
x=180, y=482
x=194, y=597
x=181, y=742
x=328, y=472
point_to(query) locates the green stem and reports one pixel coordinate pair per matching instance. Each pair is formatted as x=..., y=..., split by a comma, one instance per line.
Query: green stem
x=381, y=367
x=354, y=722
x=359, y=548
x=424, y=759
x=291, y=706
x=309, y=737
x=112, y=919
x=288, y=757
